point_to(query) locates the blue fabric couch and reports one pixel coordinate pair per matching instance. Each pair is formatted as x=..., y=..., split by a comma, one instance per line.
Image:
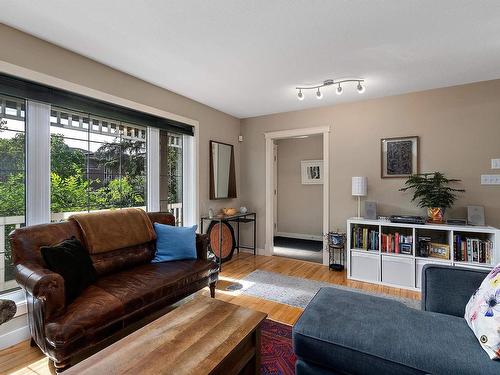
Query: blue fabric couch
x=342, y=332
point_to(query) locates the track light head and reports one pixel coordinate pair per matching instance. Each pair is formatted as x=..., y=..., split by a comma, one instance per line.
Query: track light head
x=339, y=90
x=361, y=89
x=319, y=95
x=300, y=95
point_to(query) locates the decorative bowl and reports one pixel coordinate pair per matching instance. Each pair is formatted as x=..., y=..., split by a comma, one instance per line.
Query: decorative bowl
x=229, y=211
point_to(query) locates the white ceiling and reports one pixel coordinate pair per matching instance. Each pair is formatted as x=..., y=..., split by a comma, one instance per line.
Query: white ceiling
x=245, y=57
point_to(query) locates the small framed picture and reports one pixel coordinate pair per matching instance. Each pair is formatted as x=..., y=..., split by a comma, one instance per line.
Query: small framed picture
x=311, y=171
x=439, y=250
x=399, y=157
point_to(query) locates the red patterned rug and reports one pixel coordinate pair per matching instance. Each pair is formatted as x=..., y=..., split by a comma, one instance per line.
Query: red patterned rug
x=277, y=357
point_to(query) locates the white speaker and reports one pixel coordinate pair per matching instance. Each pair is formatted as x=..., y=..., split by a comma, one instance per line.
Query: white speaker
x=475, y=215
x=371, y=210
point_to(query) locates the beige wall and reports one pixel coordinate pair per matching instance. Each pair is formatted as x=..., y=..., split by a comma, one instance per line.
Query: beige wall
x=459, y=130
x=300, y=207
x=32, y=53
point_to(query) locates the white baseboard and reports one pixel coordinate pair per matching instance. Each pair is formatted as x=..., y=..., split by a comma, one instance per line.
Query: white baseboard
x=300, y=236
x=257, y=251
x=14, y=337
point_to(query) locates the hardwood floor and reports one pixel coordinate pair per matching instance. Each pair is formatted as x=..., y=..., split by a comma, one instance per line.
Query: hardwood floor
x=22, y=359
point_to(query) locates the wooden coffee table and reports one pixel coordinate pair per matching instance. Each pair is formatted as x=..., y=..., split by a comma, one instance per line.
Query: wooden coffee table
x=203, y=336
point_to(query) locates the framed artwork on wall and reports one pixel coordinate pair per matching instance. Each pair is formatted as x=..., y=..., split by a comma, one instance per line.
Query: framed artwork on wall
x=311, y=172
x=399, y=157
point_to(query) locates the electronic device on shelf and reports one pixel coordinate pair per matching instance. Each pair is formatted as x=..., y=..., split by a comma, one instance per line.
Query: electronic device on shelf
x=407, y=219
x=456, y=221
x=423, y=246
x=475, y=215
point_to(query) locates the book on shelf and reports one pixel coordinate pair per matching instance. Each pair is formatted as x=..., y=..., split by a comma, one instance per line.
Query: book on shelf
x=391, y=242
x=364, y=238
x=472, y=250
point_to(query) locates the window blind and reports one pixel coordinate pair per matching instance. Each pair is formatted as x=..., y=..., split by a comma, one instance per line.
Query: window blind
x=34, y=91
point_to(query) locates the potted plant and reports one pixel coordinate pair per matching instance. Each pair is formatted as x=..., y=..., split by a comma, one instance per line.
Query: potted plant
x=432, y=191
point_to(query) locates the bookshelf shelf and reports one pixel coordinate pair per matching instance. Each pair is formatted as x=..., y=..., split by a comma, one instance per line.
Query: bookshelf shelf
x=434, y=260
x=366, y=251
x=376, y=252
x=398, y=255
x=472, y=264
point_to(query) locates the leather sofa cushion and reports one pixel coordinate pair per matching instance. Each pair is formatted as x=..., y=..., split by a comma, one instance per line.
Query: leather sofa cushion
x=144, y=284
x=117, y=260
x=355, y=333
x=115, y=296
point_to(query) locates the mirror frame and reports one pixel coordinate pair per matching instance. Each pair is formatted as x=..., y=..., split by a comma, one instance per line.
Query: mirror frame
x=231, y=191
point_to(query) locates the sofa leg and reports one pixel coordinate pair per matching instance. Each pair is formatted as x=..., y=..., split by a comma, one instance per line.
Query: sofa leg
x=61, y=366
x=32, y=342
x=212, y=289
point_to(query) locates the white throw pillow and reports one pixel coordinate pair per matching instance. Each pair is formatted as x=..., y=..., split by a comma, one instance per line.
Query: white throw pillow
x=482, y=313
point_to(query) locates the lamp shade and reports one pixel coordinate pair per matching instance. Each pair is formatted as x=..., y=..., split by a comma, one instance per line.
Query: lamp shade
x=359, y=186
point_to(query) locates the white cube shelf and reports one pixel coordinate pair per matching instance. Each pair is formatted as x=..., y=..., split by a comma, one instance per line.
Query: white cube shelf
x=404, y=270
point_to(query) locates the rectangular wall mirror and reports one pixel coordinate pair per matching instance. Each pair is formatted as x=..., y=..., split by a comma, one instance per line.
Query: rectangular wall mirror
x=222, y=171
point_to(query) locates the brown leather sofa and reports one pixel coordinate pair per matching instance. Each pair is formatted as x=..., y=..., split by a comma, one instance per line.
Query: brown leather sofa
x=129, y=288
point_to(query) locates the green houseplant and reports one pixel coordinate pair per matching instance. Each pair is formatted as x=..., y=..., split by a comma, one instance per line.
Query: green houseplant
x=432, y=191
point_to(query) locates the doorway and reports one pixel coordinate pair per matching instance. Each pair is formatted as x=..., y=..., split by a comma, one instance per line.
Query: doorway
x=298, y=198
x=297, y=211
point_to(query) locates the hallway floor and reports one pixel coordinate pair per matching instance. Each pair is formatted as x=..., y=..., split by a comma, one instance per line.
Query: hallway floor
x=308, y=250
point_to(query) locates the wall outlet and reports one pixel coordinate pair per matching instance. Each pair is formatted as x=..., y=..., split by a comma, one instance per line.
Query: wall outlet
x=495, y=163
x=490, y=179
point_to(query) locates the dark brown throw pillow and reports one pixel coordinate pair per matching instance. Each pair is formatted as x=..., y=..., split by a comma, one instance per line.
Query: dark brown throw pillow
x=70, y=259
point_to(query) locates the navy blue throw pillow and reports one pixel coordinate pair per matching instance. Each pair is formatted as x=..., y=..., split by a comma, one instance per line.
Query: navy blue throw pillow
x=70, y=259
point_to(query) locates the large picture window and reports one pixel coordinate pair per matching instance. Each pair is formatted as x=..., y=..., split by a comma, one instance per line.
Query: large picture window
x=12, y=181
x=96, y=163
x=98, y=159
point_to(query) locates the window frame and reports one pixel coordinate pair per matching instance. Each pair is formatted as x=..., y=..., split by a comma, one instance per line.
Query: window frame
x=38, y=167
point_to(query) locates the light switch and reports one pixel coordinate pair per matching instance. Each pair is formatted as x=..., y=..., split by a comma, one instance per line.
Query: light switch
x=495, y=163
x=490, y=179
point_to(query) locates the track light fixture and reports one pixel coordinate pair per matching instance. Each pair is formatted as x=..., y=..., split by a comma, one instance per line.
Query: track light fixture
x=339, y=90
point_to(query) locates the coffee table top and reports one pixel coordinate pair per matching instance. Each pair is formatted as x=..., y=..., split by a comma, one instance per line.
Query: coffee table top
x=192, y=339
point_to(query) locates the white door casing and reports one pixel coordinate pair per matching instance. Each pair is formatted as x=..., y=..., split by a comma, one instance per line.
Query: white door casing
x=270, y=138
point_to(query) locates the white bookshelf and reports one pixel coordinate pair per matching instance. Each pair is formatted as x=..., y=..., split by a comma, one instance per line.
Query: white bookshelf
x=404, y=270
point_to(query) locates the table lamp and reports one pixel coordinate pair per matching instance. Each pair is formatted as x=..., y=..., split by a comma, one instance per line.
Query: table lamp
x=359, y=189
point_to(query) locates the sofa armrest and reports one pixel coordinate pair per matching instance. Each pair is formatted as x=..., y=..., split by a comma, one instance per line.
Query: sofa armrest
x=202, y=242
x=447, y=289
x=45, y=286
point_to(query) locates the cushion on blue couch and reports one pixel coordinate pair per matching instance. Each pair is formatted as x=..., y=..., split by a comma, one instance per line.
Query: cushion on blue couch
x=174, y=243
x=355, y=333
